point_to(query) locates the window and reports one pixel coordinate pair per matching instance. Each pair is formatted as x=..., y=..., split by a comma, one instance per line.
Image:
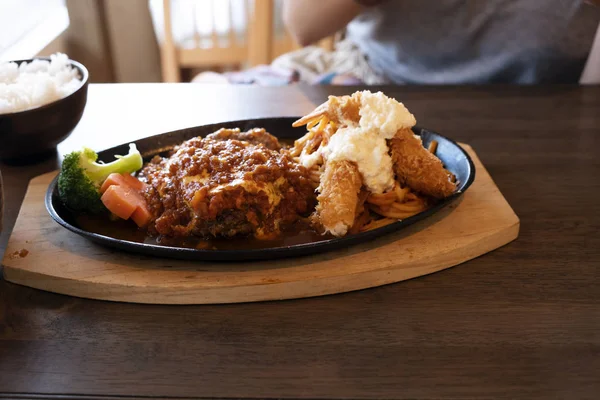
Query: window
x=191, y=18
x=27, y=26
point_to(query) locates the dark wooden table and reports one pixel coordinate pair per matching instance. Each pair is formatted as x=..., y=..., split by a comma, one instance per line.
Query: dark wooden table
x=520, y=322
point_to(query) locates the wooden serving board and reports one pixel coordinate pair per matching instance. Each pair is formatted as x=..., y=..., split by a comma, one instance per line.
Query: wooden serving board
x=60, y=261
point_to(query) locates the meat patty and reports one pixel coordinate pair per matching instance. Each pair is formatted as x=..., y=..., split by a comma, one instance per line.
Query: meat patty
x=255, y=136
x=225, y=187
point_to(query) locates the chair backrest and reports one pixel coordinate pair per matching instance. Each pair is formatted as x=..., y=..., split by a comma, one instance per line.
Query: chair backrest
x=257, y=39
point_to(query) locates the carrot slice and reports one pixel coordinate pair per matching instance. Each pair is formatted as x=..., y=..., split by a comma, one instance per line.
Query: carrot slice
x=121, y=195
x=141, y=216
x=122, y=180
x=112, y=179
x=120, y=200
x=133, y=182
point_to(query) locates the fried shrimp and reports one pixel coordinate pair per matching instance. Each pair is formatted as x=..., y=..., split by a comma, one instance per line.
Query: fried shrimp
x=338, y=198
x=364, y=142
x=417, y=167
x=344, y=110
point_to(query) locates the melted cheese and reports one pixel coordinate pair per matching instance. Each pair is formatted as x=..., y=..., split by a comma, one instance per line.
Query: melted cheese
x=271, y=189
x=202, y=178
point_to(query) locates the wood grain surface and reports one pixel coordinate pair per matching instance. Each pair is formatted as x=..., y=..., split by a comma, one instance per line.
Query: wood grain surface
x=520, y=322
x=63, y=262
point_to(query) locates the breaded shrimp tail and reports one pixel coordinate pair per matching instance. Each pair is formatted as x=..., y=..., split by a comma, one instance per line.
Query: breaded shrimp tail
x=416, y=167
x=344, y=110
x=338, y=198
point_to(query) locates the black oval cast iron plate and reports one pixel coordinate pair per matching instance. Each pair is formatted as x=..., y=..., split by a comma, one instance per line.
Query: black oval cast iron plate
x=455, y=159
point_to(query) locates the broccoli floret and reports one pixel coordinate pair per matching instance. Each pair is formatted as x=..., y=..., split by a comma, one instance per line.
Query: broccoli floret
x=81, y=176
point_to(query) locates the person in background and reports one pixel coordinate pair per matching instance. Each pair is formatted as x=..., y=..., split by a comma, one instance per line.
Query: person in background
x=442, y=42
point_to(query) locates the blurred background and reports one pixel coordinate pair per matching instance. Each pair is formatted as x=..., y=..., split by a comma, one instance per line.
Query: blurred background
x=147, y=40
x=170, y=40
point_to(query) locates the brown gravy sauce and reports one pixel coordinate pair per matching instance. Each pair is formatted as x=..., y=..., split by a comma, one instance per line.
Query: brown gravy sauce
x=299, y=233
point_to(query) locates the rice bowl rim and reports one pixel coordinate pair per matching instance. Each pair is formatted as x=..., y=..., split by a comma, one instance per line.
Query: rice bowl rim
x=79, y=66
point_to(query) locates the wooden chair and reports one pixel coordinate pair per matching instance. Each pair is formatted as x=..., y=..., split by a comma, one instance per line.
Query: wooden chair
x=259, y=47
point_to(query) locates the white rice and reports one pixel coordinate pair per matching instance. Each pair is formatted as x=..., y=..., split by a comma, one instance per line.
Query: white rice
x=34, y=84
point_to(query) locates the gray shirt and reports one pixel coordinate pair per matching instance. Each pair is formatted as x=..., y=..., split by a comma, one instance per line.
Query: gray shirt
x=477, y=41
